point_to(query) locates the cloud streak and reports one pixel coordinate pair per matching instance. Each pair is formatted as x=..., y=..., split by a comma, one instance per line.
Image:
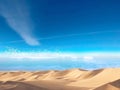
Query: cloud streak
x=17, y=15
x=67, y=35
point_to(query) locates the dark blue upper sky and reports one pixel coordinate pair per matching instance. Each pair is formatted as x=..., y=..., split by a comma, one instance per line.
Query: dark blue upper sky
x=63, y=25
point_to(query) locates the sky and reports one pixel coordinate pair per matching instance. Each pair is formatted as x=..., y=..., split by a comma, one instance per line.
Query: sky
x=51, y=33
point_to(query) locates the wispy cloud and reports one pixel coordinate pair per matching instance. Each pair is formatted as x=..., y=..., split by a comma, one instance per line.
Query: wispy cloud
x=68, y=35
x=17, y=15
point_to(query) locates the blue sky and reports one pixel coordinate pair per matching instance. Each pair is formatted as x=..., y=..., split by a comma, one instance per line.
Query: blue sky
x=59, y=26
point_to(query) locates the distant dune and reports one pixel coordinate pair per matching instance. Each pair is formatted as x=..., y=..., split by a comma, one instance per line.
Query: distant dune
x=74, y=79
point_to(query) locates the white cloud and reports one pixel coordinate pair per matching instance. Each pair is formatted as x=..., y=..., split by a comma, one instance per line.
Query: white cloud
x=92, y=57
x=88, y=58
x=37, y=56
x=95, y=57
x=17, y=15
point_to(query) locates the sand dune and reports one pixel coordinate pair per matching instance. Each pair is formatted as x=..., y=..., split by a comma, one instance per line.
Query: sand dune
x=115, y=85
x=74, y=79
